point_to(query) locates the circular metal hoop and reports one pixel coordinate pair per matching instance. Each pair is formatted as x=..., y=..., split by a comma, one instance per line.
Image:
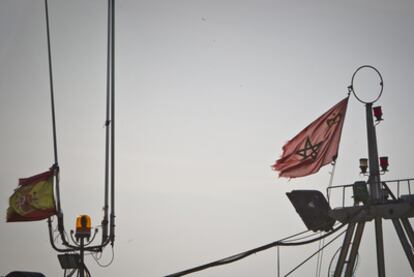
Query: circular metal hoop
x=351, y=87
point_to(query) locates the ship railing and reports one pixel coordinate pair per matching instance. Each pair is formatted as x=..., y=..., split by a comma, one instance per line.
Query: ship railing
x=348, y=195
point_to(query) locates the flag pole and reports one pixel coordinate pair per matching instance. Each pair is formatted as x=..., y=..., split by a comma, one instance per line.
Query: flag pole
x=374, y=182
x=52, y=100
x=112, y=218
x=55, y=166
x=107, y=129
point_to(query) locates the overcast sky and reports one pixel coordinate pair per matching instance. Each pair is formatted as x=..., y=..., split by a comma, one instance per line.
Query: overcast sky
x=207, y=94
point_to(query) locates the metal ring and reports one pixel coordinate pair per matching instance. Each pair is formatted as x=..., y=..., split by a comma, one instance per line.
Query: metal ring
x=351, y=87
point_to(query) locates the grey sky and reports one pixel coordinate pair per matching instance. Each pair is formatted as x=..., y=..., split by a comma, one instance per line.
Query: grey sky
x=207, y=94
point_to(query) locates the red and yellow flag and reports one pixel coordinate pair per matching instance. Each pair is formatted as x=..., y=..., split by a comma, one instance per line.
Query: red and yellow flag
x=315, y=146
x=33, y=199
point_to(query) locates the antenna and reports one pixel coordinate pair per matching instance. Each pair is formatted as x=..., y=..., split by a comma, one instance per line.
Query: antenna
x=82, y=238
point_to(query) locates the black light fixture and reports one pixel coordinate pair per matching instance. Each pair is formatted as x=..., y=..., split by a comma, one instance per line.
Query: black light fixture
x=384, y=163
x=313, y=208
x=363, y=165
x=378, y=113
x=69, y=261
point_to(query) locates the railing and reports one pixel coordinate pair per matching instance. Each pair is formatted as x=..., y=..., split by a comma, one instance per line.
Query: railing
x=345, y=195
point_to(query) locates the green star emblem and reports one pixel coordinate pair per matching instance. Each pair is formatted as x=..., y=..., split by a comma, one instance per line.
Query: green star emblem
x=309, y=150
x=334, y=119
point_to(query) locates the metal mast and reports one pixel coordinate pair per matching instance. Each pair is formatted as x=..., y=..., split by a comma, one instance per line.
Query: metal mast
x=376, y=206
x=374, y=180
x=83, y=240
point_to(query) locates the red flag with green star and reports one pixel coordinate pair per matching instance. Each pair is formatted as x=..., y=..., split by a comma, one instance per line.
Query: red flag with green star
x=315, y=146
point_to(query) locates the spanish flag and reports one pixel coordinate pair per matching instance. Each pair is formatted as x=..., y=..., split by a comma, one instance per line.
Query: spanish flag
x=33, y=199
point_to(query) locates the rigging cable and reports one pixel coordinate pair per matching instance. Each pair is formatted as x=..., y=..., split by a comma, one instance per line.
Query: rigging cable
x=319, y=250
x=310, y=235
x=96, y=258
x=322, y=242
x=247, y=253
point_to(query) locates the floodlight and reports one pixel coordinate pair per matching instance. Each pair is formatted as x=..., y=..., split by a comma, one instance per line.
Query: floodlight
x=312, y=207
x=363, y=165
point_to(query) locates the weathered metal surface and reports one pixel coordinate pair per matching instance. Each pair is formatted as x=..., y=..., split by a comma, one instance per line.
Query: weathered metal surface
x=387, y=210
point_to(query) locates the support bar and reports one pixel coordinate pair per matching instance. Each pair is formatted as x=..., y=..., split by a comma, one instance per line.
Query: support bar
x=354, y=250
x=404, y=242
x=344, y=250
x=380, y=247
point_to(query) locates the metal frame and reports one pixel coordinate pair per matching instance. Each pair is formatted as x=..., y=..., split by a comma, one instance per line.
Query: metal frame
x=376, y=200
x=109, y=155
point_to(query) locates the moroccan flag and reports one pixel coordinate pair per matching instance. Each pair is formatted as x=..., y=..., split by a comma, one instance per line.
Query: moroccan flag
x=315, y=146
x=33, y=199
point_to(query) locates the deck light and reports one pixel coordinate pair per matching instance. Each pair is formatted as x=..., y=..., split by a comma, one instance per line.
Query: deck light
x=363, y=165
x=313, y=208
x=384, y=163
x=378, y=113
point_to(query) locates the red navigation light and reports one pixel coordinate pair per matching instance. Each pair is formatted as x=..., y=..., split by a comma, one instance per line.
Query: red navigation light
x=378, y=113
x=363, y=165
x=384, y=163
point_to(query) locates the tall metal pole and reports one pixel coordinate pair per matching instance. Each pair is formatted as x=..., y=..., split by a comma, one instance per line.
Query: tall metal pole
x=112, y=166
x=344, y=250
x=404, y=242
x=354, y=249
x=374, y=181
x=278, y=261
x=82, y=257
x=107, y=129
x=52, y=100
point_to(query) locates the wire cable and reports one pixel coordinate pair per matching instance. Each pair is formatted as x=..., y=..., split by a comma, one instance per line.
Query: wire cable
x=322, y=242
x=314, y=234
x=320, y=258
x=247, y=253
x=96, y=258
x=311, y=256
